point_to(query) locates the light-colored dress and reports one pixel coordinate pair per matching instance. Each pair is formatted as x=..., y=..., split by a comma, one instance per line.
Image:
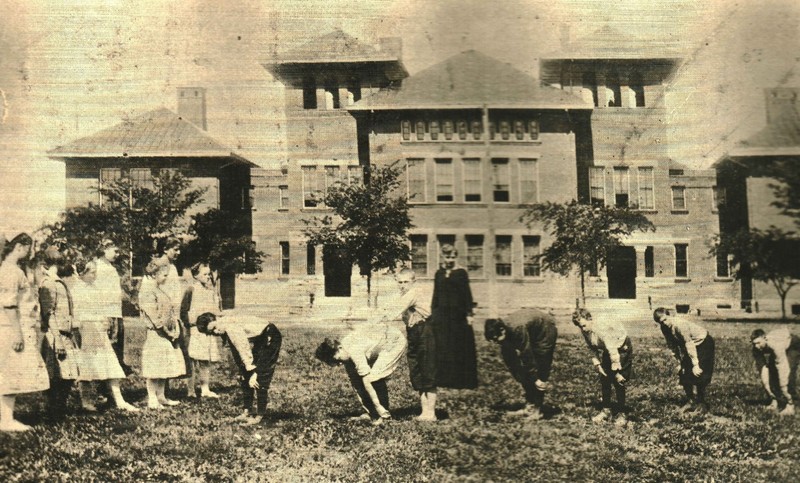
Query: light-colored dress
x=108, y=290
x=20, y=372
x=203, y=347
x=160, y=358
x=96, y=359
x=55, y=303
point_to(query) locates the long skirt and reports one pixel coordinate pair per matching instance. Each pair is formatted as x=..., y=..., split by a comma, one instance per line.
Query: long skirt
x=456, y=360
x=422, y=356
x=96, y=358
x=160, y=359
x=203, y=347
x=21, y=372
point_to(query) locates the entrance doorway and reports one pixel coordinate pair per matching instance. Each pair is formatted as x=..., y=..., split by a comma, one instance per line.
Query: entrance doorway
x=338, y=269
x=621, y=271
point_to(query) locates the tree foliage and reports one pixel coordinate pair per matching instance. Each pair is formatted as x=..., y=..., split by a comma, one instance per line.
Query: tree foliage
x=768, y=256
x=583, y=236
x=221, y=239
x=132, y=215
x=369, y=221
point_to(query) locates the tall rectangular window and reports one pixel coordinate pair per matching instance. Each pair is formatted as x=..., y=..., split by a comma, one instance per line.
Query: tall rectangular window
x=312, y=189
x=476, y=130
x=519, y=130
x=534, y=129
x=681, y=260
x=334, y=175
x=502, y=255
x=622, y=186
x=420, y=128
x=462, y=130
x=528, y=181
x=723, y=265
x=354, y=174
x=107, y=177
x=649, y=263
x=597, y=185
x=646, y=188
x=473, y=180
x=530, y=256
x=406, y=129
x=284, y=257
x=679, y=198
x=415, y=177
x=434, y=130
x=448, y=130
x=718, y=197
x=309, y=94
x=311, y=260
x=474, y=255
x=419, y=254
x=505, y=130
x=444, y=180
x=283, y=197
x=501, y=180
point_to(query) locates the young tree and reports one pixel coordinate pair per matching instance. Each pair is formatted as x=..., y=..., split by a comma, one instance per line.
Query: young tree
x=220, y=238
x=131, y=215
x=583, y=235
x=767, y=256
x=369, y=221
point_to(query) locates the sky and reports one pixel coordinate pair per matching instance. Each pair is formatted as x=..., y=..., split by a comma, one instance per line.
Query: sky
x=70, y=68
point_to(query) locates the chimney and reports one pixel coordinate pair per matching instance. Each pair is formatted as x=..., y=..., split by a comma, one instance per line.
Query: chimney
x=564, y=35
x=391, y=45
x=192, y=105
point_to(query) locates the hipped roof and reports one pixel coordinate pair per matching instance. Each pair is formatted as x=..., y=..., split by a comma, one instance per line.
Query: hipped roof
x=471, y=80
x=609, y=43
x=158, y=133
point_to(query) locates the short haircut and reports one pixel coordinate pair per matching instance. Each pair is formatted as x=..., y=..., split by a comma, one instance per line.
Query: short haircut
x=171, y=243
x=327, y=350
x=756, y=334
x=447, y=249
x=203, y=320
x=659, y=312
x=493, y=328
x=581, y=314
x=405, y=271
x=84, y=266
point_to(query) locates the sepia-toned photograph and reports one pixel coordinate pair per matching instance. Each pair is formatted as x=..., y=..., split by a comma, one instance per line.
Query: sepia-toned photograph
x=399, y=240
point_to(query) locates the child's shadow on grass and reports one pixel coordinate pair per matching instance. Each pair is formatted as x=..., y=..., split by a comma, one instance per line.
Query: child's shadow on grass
x=548, y=411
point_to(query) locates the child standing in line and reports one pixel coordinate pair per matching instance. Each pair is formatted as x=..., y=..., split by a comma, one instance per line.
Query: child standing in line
x=613, y=357
x=61, y=335
x=97, y=361
x=203, y=348
x=255, y=345
x=162, y=359
x=22, y=369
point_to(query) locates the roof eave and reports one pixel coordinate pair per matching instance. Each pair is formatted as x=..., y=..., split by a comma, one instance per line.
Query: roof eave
x=400, y=107
x=744, y=152
x=188, y=154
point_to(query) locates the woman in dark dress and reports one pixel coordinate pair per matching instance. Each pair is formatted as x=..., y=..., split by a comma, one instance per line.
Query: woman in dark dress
x=451, y=314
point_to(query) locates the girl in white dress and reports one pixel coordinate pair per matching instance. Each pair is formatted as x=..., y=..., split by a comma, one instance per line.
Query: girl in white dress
x=203, y=349
x=97, y=360
x=22, y=369
x=162, y=359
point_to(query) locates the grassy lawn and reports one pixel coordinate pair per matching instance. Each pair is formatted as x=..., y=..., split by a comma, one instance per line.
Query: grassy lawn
x=310, y=437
